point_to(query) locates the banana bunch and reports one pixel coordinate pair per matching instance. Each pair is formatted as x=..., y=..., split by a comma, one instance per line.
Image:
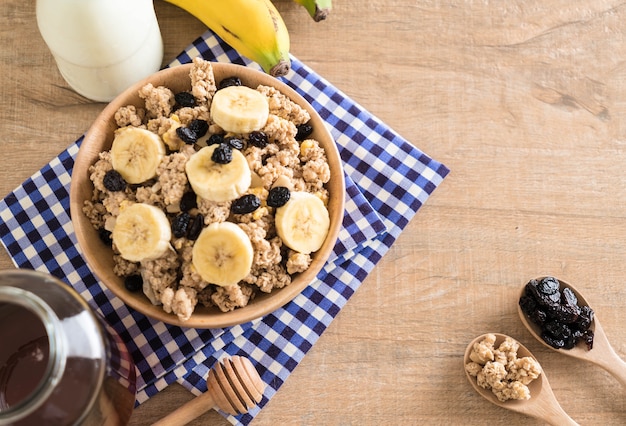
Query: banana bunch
x=253, y=27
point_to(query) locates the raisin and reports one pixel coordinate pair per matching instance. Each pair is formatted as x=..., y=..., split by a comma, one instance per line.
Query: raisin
x=245, y=204
x=199, y=127
x=588, y=339
x=185, y=99
x=180, y=224
x=568, y=297
x=303, y=131
x=229, y=81
x=548, y=285
x=532, y=309
x=566, y=314
x=105, y=236
x=223, y=154
x=558, y=330
x=187, y=135
x=545, y=300
x=113, y=181
x=553, y=299
x=215, y=139
x=258, y=139
x=531, y=290
x=576, y=333
x=234, y=142
x=585, y=318
x=188, y=201
x=278, y=196
x=133, y=283
x=571, y=341
x=528, y=304
x=193, y=232
x=555, y=343
x=539, y=317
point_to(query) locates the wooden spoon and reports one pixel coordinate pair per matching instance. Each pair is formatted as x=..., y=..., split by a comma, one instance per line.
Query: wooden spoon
x=233, y=386
x=602, y=353
x=542, y=403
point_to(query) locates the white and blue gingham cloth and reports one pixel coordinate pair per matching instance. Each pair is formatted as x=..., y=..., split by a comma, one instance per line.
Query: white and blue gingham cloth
x=387, y=181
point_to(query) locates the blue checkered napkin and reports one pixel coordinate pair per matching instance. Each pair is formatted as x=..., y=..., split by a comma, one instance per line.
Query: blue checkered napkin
x=396, y=179
x=36, y=230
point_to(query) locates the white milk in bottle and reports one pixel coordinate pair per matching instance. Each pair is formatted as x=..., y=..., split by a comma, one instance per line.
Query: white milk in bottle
x=101, y=46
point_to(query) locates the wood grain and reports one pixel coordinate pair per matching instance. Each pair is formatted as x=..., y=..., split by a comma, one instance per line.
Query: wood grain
x=525, y=101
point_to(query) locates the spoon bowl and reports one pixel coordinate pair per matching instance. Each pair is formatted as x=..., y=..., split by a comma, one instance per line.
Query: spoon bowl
x=542, y=404
x=601, y=354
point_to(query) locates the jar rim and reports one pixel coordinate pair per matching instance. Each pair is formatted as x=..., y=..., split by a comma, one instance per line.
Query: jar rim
x=56, y=357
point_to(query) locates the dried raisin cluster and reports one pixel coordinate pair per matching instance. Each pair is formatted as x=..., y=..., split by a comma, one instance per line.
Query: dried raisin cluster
x=304, y=131
x=185, y=99
x=278, y=196
x=223, y=154
x=258, y=139
x=113, y=181
x=556, y=311
x=245, y=204
x=192, y=132
x=186, y=225
x=229, y=81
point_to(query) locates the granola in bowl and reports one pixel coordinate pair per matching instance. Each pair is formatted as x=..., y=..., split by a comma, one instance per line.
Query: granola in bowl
x=212, y=196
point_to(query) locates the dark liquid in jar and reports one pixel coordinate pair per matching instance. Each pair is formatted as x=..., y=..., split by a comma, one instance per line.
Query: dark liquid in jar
x=60, y=363
x=23, y=353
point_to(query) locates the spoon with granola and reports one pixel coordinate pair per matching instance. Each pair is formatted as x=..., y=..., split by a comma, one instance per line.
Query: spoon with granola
x=560, y=317
x=507, y=374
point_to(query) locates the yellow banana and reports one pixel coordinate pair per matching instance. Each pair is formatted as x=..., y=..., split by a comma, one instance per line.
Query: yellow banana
x=254, y=28
x=318, y=9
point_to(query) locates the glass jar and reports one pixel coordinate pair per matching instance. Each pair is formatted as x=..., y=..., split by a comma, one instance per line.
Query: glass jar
x=60, y=363
x=101, y=47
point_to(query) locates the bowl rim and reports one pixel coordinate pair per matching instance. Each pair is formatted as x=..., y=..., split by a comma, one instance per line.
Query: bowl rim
x=264, y=303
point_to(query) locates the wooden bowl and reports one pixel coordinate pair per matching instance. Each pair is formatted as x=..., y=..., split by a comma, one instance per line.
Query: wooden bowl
x=99, y=256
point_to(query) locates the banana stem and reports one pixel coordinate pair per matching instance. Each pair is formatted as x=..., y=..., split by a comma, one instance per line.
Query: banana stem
x=280, y=69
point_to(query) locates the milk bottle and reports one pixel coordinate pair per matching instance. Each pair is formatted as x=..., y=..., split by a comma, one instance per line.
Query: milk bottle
x=101, y=47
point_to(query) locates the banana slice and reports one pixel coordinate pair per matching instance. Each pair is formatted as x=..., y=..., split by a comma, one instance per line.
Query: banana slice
x=239, y=109
x=142, y=232
x=303, y=222
x=222, y=254
x=136, y=153
x=218, y=182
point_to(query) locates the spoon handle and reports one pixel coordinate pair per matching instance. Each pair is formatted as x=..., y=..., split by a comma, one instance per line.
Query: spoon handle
x=188, y=411
x=547, y=408
x=610, y=362
x=556, y=416
x=614, y=365
x=617, y=369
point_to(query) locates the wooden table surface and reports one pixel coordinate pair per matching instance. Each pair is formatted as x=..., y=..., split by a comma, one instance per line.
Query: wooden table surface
x=524, y=100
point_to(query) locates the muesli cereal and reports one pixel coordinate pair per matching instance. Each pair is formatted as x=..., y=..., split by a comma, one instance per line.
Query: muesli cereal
x=198, y=209
x=500, y=370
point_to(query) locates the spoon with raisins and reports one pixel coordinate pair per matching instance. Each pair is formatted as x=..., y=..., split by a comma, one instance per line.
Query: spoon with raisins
x=541, y=404
x=560, y=317
x=234, y=386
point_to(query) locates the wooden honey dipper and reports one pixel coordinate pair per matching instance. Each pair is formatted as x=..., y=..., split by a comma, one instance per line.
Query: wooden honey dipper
x=234, y=386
